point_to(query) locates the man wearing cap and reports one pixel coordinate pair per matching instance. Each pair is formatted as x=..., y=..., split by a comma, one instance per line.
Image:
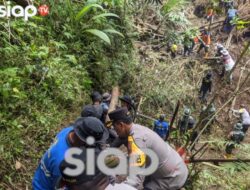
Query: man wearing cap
x=206, y=86
x=128, y=102
x=75, y=135
x=172, y=171
x=228, y=63
x=244, y=116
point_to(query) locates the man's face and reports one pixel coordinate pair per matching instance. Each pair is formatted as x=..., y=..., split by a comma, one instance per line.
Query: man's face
x=120, y=129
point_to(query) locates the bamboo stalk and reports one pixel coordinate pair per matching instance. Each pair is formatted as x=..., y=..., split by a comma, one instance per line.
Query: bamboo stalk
x=218, y=160
x=240, y=58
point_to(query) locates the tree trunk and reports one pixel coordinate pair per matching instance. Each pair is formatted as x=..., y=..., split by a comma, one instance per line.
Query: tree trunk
x=114, y=101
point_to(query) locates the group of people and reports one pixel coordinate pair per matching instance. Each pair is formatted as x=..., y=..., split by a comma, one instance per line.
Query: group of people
x=171, y=172
x=204, y=38
x=239, y=130
x=190, y=41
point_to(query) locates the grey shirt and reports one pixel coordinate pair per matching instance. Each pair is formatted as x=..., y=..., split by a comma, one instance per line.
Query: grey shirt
x=244, y=114
x=172, y=171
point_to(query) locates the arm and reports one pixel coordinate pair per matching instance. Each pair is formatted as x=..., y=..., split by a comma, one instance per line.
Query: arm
x=136, y=147
x=210, y=86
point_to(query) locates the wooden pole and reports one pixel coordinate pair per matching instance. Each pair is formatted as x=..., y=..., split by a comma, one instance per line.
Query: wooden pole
x=114, y=101
x=145, y=116
x=245, y=49
x=174, y=116
x=218, y=160
x=138, y=108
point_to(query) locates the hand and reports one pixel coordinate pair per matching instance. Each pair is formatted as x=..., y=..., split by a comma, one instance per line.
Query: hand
x=112, y=180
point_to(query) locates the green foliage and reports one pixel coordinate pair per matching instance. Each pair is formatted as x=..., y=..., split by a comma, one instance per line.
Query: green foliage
x=87, y=9
x=172, y=5
x=240, y=24
x=48, y=66
x=100, y=34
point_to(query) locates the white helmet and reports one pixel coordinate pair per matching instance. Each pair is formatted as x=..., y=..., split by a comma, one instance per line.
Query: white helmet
x=224, y=52
x=219, y=46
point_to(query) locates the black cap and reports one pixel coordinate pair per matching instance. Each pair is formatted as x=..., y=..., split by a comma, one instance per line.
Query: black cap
x=92, y=111
x=119, y=114
x=89, y=126
x=127, y=99
x=96, y=96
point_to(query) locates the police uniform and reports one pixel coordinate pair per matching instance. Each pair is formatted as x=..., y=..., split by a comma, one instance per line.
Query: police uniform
x=172, y=171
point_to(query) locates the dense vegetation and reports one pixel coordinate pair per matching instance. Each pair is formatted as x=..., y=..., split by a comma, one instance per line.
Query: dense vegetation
x=49, y=65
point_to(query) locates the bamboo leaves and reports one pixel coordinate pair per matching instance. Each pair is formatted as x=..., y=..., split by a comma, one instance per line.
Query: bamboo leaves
x=112, y=31
x=95, y=24
x=100, y=34
x=105, y=15
x=86, y=9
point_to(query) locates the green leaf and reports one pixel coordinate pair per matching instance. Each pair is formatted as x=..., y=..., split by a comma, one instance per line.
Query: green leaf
x=100, y=34
x=86, y=9
x=105, y=15
x=112, y=31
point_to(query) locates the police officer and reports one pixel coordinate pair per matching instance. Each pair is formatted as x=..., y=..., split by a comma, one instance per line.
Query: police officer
x=206, y=86
x=236, y=136
x=172, y=171
x=48, y=173
x=161, y=127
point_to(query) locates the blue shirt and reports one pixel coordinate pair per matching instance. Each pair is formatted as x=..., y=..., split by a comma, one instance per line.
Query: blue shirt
x=161, y=128
x=231, y=13
x=48, y=172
